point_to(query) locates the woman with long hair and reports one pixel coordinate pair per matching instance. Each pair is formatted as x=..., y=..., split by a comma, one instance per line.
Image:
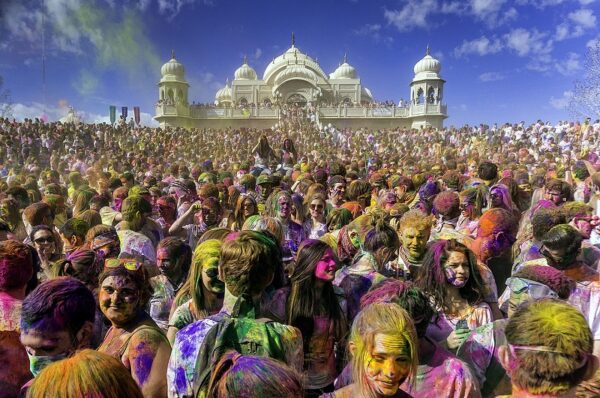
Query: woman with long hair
x=245, y=207
x=280, y=207
x=316, y=307
x=316, y=224
x=9, y=212
x=202, y=293
x=500, y=198
x=451, y=277
x=263, y=153
x=472, y=204
x=383, y=346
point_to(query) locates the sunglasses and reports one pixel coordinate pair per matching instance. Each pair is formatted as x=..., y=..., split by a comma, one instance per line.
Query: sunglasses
x=316, y=207
x=44, y=240
x=535, y=290
x=128, y=264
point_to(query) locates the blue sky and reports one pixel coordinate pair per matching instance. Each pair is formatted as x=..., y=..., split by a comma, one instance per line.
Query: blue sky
x=503, y=60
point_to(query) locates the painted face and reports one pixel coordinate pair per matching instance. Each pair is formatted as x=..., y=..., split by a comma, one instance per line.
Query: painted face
x=466, y=208
x=554, y=196
x=585, y=225
x=326, y=267
x=338, y=193
x=210, y=279
x=210, y=215
x=496, y=198
x=457, y=269
x=285, y=207
x=119, y=299
x=558, y=258
x=44, y=347
x=166, y=264
x=317, y=209
x=388, y=364
x=414, y=241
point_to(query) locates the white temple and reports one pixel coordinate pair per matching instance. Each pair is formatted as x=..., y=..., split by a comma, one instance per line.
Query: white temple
x=296, y=79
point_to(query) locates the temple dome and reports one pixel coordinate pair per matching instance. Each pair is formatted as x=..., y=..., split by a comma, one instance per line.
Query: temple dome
x=344, y=71
x=290, y=58
x=427, y=64
x=245, y=72
x=296, y=72
x=224, y=94
x=173, y=67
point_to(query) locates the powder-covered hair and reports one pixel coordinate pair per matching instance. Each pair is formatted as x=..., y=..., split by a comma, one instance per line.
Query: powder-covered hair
x=381, y=235
x=178, y=250
x=247, y=376
x=16, y=265
x=205, y=254
x=415, y=218
x=572, y=210
x=133, y=210
x=62, y=303
x=264, y=223
x=407, y=296
x=551, y=277
x=544, y=219
x=358, y=188
x=380, y=318
x=447, y=204
x=563, y=236
x=88, y=373
x=432, y=278
x=139, y=277
x=249, y=262
x=559, y=327
x=34, y=213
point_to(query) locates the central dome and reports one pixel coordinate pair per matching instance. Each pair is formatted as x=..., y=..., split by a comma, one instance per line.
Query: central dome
x=292, y=56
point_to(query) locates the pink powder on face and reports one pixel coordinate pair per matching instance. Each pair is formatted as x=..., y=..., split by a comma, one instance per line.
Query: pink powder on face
x=326, y=267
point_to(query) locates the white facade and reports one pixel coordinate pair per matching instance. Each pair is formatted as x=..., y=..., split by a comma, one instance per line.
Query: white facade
x=295, y=78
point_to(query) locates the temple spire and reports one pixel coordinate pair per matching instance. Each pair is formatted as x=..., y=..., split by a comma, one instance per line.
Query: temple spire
x=346, y=57
x=293, y=39
x=172, y=54
x=245, y=59
x=427, y=51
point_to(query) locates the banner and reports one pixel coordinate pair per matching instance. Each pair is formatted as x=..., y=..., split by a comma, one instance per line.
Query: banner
x=136, y=114
x=113, y=114
x=124, y=112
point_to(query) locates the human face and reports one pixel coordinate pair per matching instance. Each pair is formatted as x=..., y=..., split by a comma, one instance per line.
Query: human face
x=585, y=225
x=119, y=299
x=47, y=342
x=466, y=208
x=317, y=209
x=210, y=278
x=326, y=267
x=249, y=208
x=44, y=243
x=414, y=241
x=338, y=193
x=285, y=207
x=388, y=364
x=166, y=264
x=558, y=258
x=456, y=269
x=496, y=198
x=554, y=196
x=210, y=215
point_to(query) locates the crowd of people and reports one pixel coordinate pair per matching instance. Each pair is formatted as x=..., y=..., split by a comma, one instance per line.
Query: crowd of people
x=299, y=261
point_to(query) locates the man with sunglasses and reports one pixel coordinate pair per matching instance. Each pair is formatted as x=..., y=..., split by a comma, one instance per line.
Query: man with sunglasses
x=480, y=349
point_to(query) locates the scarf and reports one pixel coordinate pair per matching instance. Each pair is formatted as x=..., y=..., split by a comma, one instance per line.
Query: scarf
x=345, y=248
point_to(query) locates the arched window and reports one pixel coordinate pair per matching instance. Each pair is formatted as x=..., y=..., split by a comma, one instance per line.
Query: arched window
x=243, y=101
x=162, y=95
x=430, y=95
x=180, y=94
x=170, y=95
x=420, y=96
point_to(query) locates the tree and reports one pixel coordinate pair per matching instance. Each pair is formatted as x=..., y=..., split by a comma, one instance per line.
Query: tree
x=585, y=101
x=6, y=104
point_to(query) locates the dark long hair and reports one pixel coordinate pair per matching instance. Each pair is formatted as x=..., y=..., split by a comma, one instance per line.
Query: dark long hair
x=303, y=303
x=432, y=279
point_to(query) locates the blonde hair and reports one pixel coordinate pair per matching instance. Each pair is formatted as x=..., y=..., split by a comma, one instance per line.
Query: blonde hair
x=88, y=373
x=380, y=318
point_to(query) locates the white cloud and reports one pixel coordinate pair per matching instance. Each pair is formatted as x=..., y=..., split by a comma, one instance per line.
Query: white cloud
x=583, y=17
x=578, y=22
x=525, y=42
x=412, y=15
x=561, y=102
x=374, y=32
x=491, y=76
x=570, y=65
x=257, y=53
x=480, y=46
x=203, y=87
x=593, y=42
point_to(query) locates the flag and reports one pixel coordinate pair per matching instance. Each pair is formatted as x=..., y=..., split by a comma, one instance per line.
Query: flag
x=136, y=114
x=124, y=112
x=113, y=114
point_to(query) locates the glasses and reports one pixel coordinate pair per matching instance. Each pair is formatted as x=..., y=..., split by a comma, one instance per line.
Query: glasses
x=535, y=290
x=128, y=264
x=40, y=241
x=316, y=207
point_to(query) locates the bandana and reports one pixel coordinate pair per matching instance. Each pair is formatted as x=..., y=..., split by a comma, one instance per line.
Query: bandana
x=345, y=248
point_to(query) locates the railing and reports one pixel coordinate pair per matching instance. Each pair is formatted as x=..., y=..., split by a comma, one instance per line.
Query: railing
x=324, y=112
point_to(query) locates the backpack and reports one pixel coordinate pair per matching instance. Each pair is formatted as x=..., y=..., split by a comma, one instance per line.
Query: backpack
x=240, y=332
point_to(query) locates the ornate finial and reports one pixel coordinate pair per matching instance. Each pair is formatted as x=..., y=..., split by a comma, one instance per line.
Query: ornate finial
x=172, y=54
x=227, y=82
x=346, y=57
x=245, y=59
x=427, y=51
x=293, y=39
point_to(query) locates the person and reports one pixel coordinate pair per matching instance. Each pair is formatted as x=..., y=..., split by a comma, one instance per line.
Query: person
x=472, y=203
x=57, y=319
x=337, y=191
x=45, y=244
x=450, y=276
x=87, y=373
x=9, y=212
x=202, y=292
x=383, y=346
x=104, y=241
x=247, y=267
x=134, y=211
x=72, y=234
x=446, y=206
x=557, y=191
x=167, y=212
x=318, y=310
x=198, y=218
x=488, y=172
x=133, y=338
x=16, y=270
x=380, y=246
x=480, y=349
x=245, y=207
x=414, y=231
x=173, y=258
x=548, y=350
x=263, y=153
x=280, y=206
x=315, y=226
